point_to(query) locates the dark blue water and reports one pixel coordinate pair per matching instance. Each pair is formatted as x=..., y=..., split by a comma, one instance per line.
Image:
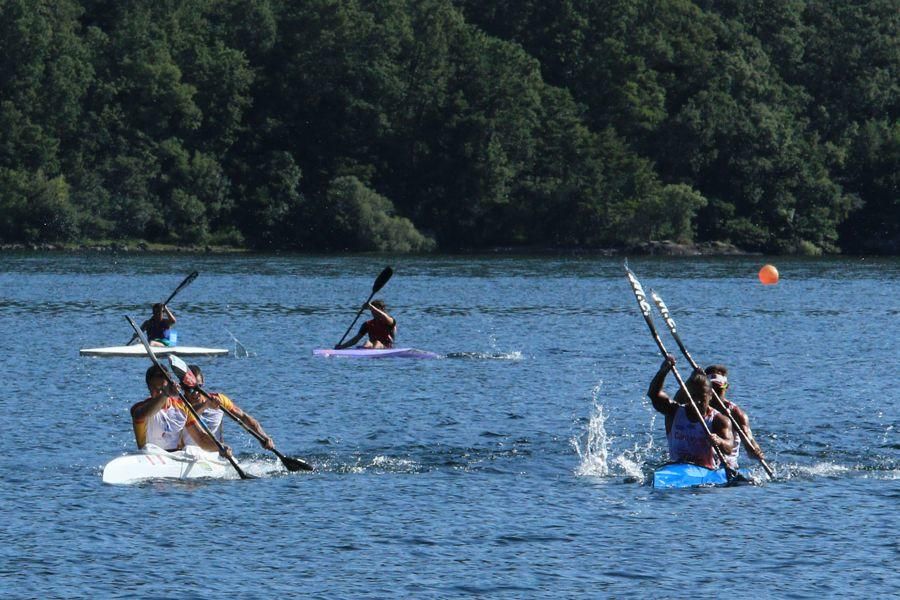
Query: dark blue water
x=517, y=466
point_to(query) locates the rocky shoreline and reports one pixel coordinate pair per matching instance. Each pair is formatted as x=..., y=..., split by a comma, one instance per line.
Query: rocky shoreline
x=654, y=248
x=116, y=248
x=668, y=248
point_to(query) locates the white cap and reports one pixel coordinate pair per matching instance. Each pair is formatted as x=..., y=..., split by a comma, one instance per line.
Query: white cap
x=718, y=379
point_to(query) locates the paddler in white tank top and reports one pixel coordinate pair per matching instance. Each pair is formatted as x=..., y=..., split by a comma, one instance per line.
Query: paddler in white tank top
x=162, y=418
x=718, y=378
x=211, y=410
x=688, y=441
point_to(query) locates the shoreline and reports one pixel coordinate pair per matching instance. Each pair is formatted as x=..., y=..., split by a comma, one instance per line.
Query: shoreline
x=654, y=248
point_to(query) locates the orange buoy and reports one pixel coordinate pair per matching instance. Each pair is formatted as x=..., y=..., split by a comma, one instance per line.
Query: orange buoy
x=768, y=275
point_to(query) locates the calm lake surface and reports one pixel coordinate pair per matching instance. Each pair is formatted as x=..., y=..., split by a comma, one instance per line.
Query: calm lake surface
x=518, y=465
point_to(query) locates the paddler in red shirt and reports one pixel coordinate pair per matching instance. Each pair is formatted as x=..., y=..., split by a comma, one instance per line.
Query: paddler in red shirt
x=381, y=328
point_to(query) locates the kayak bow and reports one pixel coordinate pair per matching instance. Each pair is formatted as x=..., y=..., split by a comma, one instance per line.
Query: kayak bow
x=376, y=353
x=686, y=475
x=155, y=463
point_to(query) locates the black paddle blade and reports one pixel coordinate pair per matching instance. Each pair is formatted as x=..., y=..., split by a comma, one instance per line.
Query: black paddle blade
x=188, y=280
x=382, y=279
x=293, y=464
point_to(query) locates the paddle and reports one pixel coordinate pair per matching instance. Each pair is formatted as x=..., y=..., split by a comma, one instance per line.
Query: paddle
x=664, y=311
x=645, y=310
x=174, y=382
x=187, y=281
x=291, y=464
x=379, y=283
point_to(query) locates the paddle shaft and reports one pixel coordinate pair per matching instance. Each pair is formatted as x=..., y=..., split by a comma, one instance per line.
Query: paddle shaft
x=379, y=283
x=292, y=464
x=193, y=412
x=664, y=311
x=186, y=282
x=645, y=310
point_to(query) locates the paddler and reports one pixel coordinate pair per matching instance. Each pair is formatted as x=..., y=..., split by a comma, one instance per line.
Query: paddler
x=688, y=442
x=381, y=328
x=162, y=418
x=718, y=378
x=210, y=408
x=158, y=327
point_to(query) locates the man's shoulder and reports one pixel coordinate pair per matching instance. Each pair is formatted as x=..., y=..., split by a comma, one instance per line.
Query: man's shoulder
x=721, y=420
x=734, y=407
x=139, y=405
x=224, y=400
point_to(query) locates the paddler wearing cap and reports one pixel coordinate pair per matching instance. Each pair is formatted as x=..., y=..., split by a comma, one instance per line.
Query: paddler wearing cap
x=162, y=419
x=211, y=406
x=718, y=379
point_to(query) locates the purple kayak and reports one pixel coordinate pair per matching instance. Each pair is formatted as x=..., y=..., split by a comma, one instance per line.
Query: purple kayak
x=376, y=353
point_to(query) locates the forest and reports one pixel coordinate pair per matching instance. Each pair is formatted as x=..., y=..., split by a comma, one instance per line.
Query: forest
x=452, y=125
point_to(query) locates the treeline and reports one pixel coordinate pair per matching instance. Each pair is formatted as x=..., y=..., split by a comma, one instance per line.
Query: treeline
x=409, y=125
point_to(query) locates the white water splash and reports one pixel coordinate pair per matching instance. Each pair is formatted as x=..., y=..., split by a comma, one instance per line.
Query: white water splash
x=593, y=445
x=394, y=464
x=239, y=350
x=631, y=462
x=497, y=354
x=514, y=355
x=821, y=469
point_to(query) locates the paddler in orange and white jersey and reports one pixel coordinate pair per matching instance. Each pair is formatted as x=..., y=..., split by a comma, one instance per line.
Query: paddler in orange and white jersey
x=688, y=442
x=718, y=378
x=162, y=418
x=210, y=408
x=381, y=328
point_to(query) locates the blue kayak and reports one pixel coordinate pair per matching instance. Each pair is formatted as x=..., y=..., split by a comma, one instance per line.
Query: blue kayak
x=686, y=475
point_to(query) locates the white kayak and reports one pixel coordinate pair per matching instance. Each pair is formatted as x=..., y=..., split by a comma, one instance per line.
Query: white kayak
x=138, y=350
x=155, y=463
x=376, y=353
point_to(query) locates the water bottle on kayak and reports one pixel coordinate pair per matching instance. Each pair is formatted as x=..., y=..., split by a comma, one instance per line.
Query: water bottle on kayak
x=171, y=337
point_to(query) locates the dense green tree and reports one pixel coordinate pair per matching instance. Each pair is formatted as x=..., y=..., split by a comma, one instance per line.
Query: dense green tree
x=386, y=124
x=35, y=208
x=359, y=219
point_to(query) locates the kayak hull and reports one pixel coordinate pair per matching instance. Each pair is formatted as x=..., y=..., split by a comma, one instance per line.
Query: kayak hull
x=154, y=463
x=686, y=475
x=138, y=350
x=375, y=353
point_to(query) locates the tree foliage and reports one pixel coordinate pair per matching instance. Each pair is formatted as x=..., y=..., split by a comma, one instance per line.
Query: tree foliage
x=408, y=125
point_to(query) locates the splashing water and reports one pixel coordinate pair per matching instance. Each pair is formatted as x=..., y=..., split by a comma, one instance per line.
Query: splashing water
x=239, y=350
x=514, y=355
x=593, y=446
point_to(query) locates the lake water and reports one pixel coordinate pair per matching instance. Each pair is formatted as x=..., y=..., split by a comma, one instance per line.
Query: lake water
x=516, y=466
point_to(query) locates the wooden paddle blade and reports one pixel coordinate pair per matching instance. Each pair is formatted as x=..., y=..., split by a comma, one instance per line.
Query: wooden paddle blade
x=382, y=279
